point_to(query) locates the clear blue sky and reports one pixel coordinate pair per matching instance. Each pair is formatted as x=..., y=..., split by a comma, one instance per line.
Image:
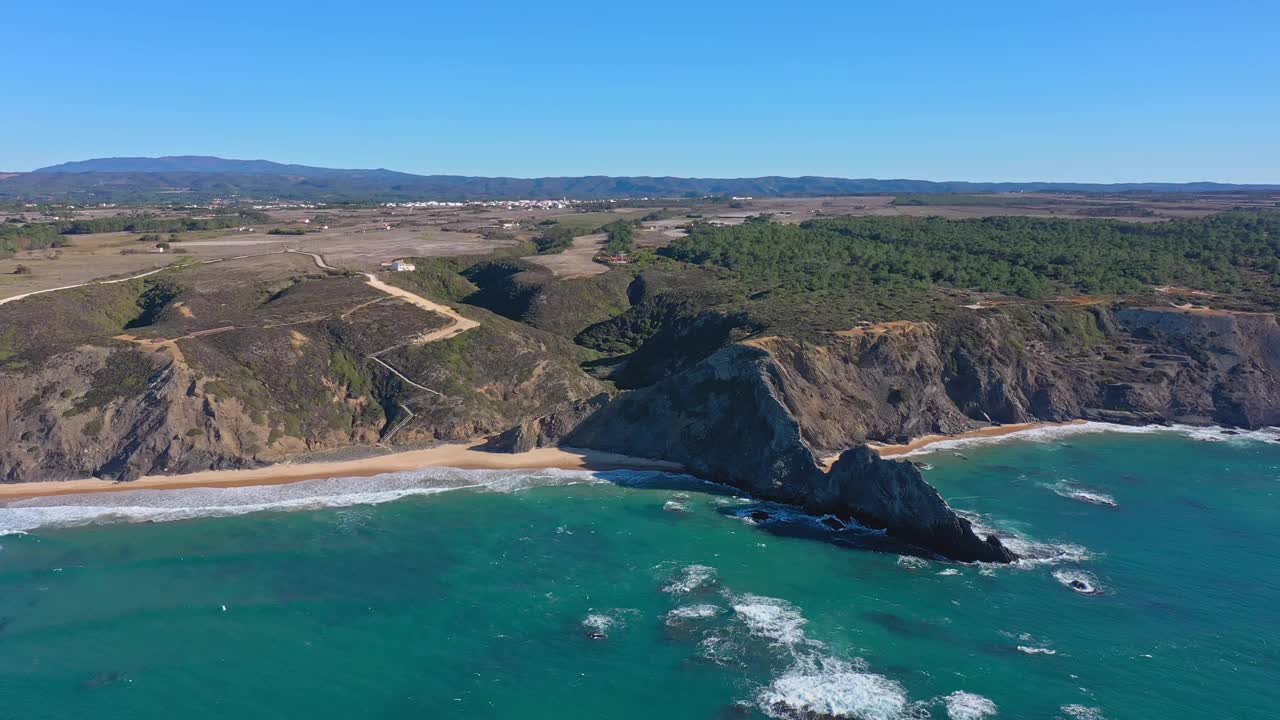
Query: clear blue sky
x=1083, y=91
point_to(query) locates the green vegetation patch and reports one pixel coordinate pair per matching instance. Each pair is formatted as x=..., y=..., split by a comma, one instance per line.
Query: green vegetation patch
x=126, y=373
x=1029, y=257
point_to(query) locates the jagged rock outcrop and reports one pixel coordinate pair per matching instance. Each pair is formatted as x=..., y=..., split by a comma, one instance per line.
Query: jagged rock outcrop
x=893, y=494
x=546, y=430
x=760, y=414
x=726, y=419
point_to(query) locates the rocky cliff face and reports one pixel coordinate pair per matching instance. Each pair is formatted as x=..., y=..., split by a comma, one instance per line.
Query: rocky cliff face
x=727, y=419
x=176, y=377
x=759, y=415
x=270, y=380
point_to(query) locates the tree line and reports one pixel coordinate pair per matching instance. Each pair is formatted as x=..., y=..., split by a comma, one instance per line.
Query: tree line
x=1030, y=257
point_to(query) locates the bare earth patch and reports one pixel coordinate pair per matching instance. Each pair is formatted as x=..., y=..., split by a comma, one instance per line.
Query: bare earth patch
x=577, y=260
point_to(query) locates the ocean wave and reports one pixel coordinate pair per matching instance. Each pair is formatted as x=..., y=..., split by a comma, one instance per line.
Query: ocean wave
x=911, y=562
x=1036, y=650
x=834, y=688
x=598, y=622
x=968, y=706
x=133, y=506
x=1211, y=433
x=1030, y=552
x=777, y=621
x=1071, y=491
x=814, y=682
x=690, y=579
x=1078, y=580
x=685, y=613
x=1082, y=712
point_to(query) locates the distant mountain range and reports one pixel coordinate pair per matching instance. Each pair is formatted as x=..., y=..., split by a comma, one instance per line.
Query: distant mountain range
x=194, y=177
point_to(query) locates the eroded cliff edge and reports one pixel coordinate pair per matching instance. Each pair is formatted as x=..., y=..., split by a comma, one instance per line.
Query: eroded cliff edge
x=761, y=414
x=189, y=373
x=726, y=419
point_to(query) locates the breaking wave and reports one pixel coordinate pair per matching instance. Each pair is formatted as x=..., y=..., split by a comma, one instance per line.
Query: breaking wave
x=1055, y=432
x=968, y=706
x=1078, y=580
x=1036, y=650
x=1071, y=491
x=690, y=579
x=1031, y=553
x=133, y=506
x=834, y=688
x=691, y=612
x=1082, y=712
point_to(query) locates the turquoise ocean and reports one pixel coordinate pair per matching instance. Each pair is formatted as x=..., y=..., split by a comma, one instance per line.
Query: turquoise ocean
x=1151, y=589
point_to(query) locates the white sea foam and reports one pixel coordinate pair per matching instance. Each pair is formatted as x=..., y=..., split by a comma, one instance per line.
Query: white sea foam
x=770, y=618
x=1082, y=712
x=1056, y=432
x=1036, y=650
x=188, y=503
x=598, y=622
x=691, y=578
x=815, y=683
x=949, y=572
x=831, y=687
x=968, y=706
x=1078, y=580
x=912, y=562
x=1072, y=491
x=675, y=506
x=1031, y=553
x=691, y=612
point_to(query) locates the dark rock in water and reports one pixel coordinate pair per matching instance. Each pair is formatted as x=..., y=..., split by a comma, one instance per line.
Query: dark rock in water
x=899, y=625
x=725, y=420
x=595, y=635
x=1230, y=432
x=893, y=495
x=1080, y=585
x=102, y=680
x=758, y=515
x=832, y=523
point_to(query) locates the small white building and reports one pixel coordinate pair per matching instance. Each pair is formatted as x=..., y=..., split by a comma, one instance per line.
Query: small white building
x=402, y=266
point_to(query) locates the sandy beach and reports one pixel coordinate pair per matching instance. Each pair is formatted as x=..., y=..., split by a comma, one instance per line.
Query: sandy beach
x=986, y=432
x=462, y=455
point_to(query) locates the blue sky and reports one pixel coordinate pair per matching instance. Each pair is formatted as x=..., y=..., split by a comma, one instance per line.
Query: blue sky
x=1084, y=91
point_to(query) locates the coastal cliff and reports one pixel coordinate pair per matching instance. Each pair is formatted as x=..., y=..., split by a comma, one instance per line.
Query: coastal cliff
x=186, y=373
x=726, y=419
x=760, y=414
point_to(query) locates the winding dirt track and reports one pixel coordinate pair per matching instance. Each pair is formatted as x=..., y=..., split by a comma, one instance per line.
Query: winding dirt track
x=15, y=298
x=459, y=325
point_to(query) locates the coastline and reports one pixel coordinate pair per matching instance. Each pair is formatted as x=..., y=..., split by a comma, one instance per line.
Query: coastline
x=468, y=456
x=464, y=456
x=920, y=443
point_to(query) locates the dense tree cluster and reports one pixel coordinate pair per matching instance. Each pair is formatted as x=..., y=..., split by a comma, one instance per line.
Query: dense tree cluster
x=41, y=235
x=1013, y=255
x=621, y=237
x=149, y=223
x=554, y=238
